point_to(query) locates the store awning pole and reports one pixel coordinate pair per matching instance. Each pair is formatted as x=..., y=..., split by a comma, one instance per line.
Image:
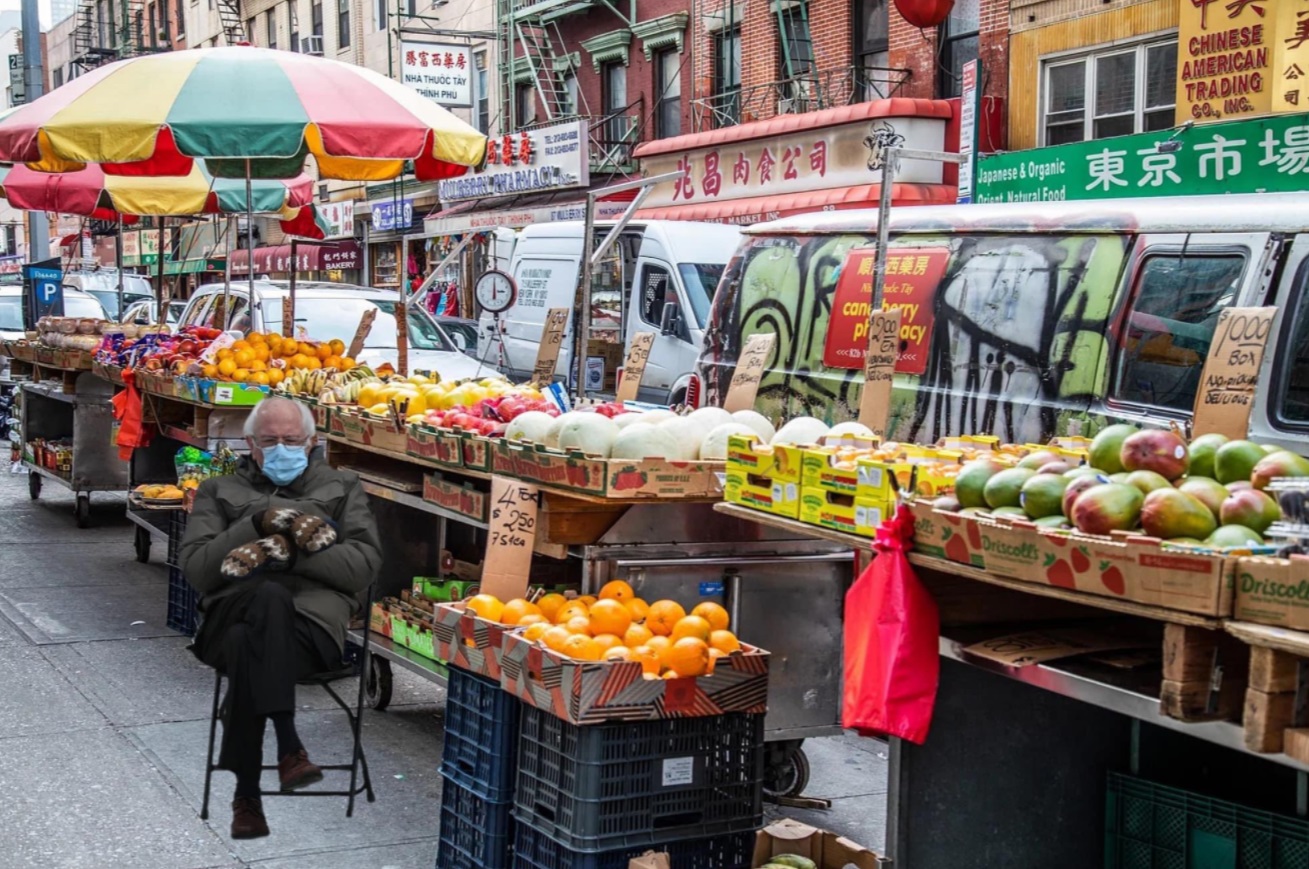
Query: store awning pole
x=118, y=264
x=227, y=268
x=288, y=328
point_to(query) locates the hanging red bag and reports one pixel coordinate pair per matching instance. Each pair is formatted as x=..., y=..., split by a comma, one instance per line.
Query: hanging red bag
x=133, y=432
x=892, y=632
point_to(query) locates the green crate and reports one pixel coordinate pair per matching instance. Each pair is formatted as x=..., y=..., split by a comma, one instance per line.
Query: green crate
x=399, y=631
x=443, y=590
x=1151, y=826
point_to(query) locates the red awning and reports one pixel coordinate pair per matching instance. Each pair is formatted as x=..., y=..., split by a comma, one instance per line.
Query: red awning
x=344, y=254
x=757, y=209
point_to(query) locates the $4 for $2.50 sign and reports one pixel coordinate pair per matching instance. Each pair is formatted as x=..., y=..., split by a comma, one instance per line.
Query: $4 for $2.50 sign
x=510, y=538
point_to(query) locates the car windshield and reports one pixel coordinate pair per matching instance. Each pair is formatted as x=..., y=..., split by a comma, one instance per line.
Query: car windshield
x=109, y=299
x=11, y=313
x=325, y=318
x=700, y=280
x=83, y=306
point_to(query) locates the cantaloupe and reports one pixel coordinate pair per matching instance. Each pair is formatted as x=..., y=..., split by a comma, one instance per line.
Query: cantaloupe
x=850, y=429
x=713, y=416
x=714, y=445
x=591, y=433
x=801, y=430
x=532, y=425
x=756, y=421
x=687, y=433
x=644, y=442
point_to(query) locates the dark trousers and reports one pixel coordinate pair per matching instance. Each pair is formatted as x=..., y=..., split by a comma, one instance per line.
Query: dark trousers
x=258, y=641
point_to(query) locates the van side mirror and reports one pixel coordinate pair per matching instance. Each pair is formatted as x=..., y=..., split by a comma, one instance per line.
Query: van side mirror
x=671, y=319
x=141, y=321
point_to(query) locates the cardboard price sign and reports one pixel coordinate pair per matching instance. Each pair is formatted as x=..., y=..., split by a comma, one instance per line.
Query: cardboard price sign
x=510, y=537
x=634, y=368
x=1222, y=403
x=361, y=334
x=879, y=369
x=288, y=317
x=749, y=371
x=552, y=339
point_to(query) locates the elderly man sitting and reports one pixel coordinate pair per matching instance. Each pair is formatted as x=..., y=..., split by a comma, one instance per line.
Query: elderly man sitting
x=279, y=550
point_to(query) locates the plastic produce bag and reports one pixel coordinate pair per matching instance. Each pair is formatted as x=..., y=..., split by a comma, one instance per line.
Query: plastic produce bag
x=892, y=631
x=132, y=431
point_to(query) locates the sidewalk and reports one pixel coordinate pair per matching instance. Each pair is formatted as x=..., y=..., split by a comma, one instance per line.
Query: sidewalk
x=104, y=722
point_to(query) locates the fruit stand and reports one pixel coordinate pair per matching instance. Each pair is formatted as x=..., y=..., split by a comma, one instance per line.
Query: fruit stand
x=67, y=423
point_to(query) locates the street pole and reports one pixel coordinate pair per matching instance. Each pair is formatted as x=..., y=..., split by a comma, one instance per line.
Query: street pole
x=38, y=226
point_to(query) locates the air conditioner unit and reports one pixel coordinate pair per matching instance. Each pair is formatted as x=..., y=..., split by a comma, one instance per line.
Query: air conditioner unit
x=787, y=106
x=311, y=45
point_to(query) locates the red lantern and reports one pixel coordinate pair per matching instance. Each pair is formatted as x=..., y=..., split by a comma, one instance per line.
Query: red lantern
x=924, y=13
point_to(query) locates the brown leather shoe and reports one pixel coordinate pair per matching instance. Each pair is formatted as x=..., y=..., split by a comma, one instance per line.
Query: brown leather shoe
x=248, y=821
x=295, y=771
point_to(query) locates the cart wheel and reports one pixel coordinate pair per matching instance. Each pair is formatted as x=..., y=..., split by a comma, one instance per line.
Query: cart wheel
x=142, y=545
x=787, y=770
x=33, y=485
x=378, y=689
x=83, y=511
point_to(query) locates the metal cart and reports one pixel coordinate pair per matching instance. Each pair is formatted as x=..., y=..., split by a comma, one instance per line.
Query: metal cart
x=86, y=417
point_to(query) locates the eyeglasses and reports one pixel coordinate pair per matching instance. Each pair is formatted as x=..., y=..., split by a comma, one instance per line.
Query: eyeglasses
x=266, y=443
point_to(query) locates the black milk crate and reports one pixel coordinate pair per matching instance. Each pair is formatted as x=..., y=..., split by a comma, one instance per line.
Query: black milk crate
x=182, y=598
x=602, y=787
x=535, y=850
x=475, y=833
x=481, y=735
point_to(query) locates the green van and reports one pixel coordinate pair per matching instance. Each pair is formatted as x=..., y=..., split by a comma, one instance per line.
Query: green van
x=1024, y=321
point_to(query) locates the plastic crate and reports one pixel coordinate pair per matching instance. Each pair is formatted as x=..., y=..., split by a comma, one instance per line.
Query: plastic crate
x=182, y=598
x=481, y=735
x=1150, y=826
x=535, y=850
x=475, y=833
x=601, y=787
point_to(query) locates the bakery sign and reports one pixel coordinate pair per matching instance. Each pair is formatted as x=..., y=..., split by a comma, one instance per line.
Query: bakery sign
x=1241, y=58
x=795, y=161
x=556, y=157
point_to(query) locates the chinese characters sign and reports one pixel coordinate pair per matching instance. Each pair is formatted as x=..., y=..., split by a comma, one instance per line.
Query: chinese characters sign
x=912, y=276
x=1267, y=155
x=793, y=162
x=340, y=217
x=392, y=214
x=442, y=73
x=529, y=161
x=1241, y=58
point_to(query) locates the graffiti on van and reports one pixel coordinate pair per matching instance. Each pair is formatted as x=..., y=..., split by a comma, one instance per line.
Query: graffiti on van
x=1017, y=345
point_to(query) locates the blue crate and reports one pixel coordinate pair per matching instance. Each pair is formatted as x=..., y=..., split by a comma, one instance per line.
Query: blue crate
x=475, y=833
x=533, y=849
x=481, y=736
x=601, y=787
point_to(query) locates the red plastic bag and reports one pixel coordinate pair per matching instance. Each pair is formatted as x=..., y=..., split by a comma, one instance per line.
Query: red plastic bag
x=892, y=631
x=132, y=431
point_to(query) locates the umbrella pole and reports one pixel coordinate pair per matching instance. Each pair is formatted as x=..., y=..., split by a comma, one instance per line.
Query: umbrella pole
x=250, y=229
x=118, y=264
x=163, y=290
x=227, y=269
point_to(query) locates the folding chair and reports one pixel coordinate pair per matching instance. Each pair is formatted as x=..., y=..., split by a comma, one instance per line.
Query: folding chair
x=358, y=762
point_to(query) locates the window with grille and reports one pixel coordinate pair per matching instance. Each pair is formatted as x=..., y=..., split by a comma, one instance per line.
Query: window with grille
x=727, y=76
x=959, y=41
x=1109, y=93
x=483, y=93
x=525, y=104
x=270, y=26
x=316, y=18
x=871, y=45
x=294, y=18
x=668, y=90
x=794, y=44
x=342, y=24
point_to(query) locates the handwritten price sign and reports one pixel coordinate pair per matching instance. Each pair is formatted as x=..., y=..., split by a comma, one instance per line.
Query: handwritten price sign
x=879, y=369
x=749, y=372
x=511, y=536
x=634, y=367
x=1226, y=393
x=552, y=339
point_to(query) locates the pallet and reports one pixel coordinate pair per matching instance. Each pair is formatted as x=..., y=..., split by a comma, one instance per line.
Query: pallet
x=1276, y=709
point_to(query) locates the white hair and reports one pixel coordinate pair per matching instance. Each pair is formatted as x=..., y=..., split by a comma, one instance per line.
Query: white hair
x=261, y=409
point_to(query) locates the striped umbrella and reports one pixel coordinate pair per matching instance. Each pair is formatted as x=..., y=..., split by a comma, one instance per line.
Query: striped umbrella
x=248, y=112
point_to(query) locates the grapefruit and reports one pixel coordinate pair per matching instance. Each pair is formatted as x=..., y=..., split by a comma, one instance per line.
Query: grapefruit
x=610, y=617
x=636, y=635
x=713, y=613
x=689, y=656
x=664, y=616
x=692, y=626
x=724, y=641
x=486, y=606
x=550, y=604
x=617, y=590
x=515, y=609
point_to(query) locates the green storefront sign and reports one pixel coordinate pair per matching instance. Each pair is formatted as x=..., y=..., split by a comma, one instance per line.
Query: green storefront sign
x=1267, y=155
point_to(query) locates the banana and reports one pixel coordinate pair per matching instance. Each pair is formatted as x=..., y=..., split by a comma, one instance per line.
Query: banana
x=795, y=861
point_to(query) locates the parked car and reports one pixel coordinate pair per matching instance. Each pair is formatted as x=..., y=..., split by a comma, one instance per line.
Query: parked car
x=145, y=312
x=103, y=284
x=659, y=278
x=327, y=310
x=1023, y=320
x=462, y=332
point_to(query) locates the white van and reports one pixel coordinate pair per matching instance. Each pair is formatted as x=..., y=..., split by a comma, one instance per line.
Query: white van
x=103, y=284
x=675, y=265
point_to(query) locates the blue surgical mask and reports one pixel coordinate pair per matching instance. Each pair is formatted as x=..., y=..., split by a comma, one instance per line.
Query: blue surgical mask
x=282, y=464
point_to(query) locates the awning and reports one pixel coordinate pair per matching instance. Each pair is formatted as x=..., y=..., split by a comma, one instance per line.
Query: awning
x=744, y=212
x=515, y=212
x=309, y=257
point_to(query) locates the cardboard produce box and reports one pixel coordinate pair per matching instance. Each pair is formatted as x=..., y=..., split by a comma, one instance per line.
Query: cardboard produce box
x=827, y=850
x=650, y=860
x=379, y=434
x=587, y=692
x=1273, y=591
x=435, y=446
x=456, y=497
x=614, y=478
x=463, y=640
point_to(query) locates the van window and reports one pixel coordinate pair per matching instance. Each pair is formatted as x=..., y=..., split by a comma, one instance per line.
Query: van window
x=654, y=291
x=700, y=281
x=1292, y=403
x=1165, y=338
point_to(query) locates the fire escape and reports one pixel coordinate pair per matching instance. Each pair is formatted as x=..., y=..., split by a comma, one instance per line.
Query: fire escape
x=536, y=55
x=113, y=30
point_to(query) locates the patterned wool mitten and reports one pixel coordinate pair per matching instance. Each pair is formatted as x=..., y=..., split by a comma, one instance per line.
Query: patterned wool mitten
x=275, y=520
x=311, y=533
x=267, y=553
